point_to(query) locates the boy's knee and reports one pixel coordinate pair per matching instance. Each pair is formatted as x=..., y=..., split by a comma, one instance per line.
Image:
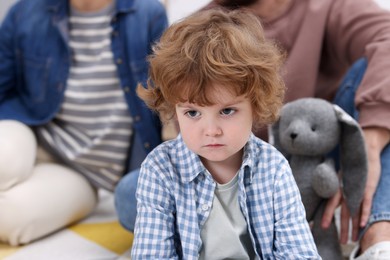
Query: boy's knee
x=17, y=153
x=128, y=183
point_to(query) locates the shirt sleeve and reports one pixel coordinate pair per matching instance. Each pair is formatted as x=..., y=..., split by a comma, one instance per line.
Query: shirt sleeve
x=158, y=24
x=293, y=238
x=7, y=53
x=155, y=224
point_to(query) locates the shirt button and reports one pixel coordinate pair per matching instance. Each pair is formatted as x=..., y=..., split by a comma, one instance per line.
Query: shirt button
x=146, y=145
x=119, y=61
x=205, y=207
x=137, y=118
x=114, y=33
x=126, y=89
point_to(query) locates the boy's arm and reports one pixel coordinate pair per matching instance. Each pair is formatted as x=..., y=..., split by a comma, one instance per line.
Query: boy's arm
x=293, y=238
x=155, y=223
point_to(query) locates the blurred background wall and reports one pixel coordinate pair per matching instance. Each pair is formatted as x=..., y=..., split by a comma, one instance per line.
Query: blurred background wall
x=4, y=6
x=384, y=3
x=178, y=9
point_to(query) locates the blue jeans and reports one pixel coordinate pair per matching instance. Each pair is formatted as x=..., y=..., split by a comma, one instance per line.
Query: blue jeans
x=125, y=202
x=345, y=96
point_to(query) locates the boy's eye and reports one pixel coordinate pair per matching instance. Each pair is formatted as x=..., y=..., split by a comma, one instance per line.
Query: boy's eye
x=227, y=111
x=192, y=113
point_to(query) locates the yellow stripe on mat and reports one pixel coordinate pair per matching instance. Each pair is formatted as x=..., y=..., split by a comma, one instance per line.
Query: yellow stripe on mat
x=6, y=250
x=111, y=235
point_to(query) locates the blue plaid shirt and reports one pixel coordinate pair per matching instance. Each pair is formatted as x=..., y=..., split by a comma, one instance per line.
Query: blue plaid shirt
x=175, y=194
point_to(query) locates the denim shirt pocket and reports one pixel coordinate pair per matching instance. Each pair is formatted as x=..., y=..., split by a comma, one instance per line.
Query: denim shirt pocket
x=35, y=76
x=140, y=69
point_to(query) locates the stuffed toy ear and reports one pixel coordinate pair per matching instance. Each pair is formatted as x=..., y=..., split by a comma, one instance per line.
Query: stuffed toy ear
x=274, y=139
x=273, y=133
x=353, y=160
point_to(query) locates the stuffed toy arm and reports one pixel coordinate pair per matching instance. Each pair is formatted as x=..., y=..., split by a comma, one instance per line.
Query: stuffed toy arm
x=325, y=181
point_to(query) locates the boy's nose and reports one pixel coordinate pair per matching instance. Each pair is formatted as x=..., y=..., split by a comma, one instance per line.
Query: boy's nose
x=213, y=130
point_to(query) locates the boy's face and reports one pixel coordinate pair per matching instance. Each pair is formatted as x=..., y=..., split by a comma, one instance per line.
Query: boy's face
x=218, y=132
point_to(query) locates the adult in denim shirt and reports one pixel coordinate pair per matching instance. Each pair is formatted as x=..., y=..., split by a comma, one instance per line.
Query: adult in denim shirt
x=35, y=65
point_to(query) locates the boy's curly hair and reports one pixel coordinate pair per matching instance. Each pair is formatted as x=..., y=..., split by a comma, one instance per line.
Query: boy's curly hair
x=215, y=46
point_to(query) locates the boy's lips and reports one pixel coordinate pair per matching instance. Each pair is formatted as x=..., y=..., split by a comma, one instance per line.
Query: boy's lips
x=214, y=145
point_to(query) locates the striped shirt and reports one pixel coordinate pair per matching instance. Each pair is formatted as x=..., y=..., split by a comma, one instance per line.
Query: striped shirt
x=175, y=197
x=92, y=130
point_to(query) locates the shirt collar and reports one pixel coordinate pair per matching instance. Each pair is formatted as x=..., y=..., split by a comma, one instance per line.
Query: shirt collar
x=248, y=160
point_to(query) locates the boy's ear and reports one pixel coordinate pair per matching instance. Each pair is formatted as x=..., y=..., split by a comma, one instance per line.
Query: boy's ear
x=353, y=160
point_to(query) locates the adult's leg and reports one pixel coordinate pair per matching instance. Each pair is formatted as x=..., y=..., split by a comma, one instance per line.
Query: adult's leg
x=125, y=201
x=18, y=148
x=53, y=197
x=39, y=199
x=345, y=96
x=378, y=227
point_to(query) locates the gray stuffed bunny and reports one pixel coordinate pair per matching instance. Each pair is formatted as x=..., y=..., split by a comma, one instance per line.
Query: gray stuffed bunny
x=307, y=131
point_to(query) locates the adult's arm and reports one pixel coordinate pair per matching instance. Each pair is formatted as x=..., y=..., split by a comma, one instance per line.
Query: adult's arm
x=7, y=53
x=158, y=24
x=360, y=28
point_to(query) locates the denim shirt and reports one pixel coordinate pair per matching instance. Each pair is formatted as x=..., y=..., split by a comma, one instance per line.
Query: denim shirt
x=175, y=194
x=35, y=60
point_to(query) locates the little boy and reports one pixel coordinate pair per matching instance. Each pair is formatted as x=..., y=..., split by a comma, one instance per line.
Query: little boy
x=217, y=191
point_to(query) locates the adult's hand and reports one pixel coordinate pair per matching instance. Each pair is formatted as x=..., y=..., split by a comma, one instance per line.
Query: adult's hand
x=376, y=139
x=331, y=206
